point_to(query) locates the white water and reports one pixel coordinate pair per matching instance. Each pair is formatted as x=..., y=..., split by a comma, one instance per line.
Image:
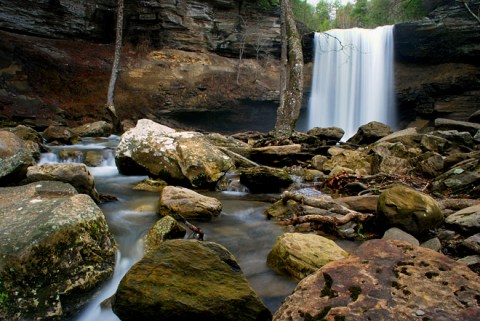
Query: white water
x=352, y=79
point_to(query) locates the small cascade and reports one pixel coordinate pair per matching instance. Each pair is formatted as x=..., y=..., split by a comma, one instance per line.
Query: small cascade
x=353, y=80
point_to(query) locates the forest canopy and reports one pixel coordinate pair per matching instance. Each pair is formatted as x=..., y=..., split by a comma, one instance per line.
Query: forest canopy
x=330, y=14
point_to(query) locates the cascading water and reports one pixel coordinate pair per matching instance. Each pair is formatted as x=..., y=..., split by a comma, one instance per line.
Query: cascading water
x=352, y=79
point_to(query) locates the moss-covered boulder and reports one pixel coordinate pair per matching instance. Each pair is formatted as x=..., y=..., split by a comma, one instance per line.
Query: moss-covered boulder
x=166, y=228
x=299, y=255
x=55, y=248
x=403, y=207
x=359, y=161
x=183, y=203
x=177, y=157
x=187, y=280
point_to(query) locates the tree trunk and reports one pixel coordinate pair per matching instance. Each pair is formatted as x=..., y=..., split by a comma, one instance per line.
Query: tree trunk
x=291, y=82
x=115, y=67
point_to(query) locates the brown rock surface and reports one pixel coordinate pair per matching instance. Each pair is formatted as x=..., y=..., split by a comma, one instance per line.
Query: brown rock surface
x=386, y=280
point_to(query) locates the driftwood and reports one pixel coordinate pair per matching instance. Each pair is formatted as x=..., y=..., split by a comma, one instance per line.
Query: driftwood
x=195, y=229
x=325, y=207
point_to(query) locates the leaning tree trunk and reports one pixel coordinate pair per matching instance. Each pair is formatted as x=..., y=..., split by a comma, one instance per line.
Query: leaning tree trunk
x=115, y=67
x=291, y=81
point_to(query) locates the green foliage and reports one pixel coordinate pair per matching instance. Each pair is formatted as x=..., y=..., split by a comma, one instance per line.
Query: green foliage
x=328, y=14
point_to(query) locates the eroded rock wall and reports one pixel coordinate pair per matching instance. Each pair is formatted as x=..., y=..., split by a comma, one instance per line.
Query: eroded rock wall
x=437, y=67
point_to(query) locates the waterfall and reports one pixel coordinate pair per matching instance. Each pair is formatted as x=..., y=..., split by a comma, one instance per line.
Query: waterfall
x=352, y=79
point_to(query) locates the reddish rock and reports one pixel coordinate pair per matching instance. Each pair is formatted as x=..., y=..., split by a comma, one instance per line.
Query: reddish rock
x=386, y=280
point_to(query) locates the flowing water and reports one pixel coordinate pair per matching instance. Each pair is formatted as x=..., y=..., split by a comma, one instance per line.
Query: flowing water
x=241, y=227
x=353, y=80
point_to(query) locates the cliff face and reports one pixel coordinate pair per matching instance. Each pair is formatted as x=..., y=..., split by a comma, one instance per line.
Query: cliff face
x=183, y=56
x=55, y=57
x=437, y=66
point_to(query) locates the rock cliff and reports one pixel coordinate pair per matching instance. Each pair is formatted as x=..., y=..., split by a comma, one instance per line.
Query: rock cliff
x=178, y=55
x=437, y=67
x=182, y=57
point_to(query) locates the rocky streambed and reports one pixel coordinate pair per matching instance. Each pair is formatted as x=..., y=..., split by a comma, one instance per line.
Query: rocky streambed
x=410, y=198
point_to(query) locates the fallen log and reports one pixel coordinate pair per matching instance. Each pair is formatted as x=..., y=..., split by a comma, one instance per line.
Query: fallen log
x=326, y=213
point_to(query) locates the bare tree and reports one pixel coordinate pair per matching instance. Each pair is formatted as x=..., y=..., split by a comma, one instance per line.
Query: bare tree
x=115, y=68
x=291, y=80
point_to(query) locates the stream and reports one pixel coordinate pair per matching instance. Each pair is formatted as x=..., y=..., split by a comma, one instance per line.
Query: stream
x=242, y=227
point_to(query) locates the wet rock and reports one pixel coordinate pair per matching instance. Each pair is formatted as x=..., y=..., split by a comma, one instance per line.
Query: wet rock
x=187, y=280
x=299, y=255
x=264, y=179
x=434, y=143
x=167, y=228
x=76, y=174
x=386, y=280
x=318, y=161
x=177, y=157
x=399, y=235
x=412, y=211
x=180, y=202
x=370, y=133
x=466, y=220
x=55, y=248
x=15, y=158
x=93, y=158
x=60, y=135
x=96, y=129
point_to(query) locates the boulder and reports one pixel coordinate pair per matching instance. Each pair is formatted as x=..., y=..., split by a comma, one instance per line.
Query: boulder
x=471, y=244
x=26, y=133
x=433, y=244
x=180, y=202
x=96, y=129
x=327, y=133
x=15, y=158
x=394, y=233
x=55, y=249
x=357, y=160
x=434, y=143
x=187, y=280
x=475, y=117
x=370, y=133
x=386, y=280
x=76, y=174
x=60, y=135
x=166, y=228
x=184, y=158
x=393, y=158
x=407, y=209
x=466, y=220
x=362, y=203
x=298, y=254
x=407, y=137
x=263, y=179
